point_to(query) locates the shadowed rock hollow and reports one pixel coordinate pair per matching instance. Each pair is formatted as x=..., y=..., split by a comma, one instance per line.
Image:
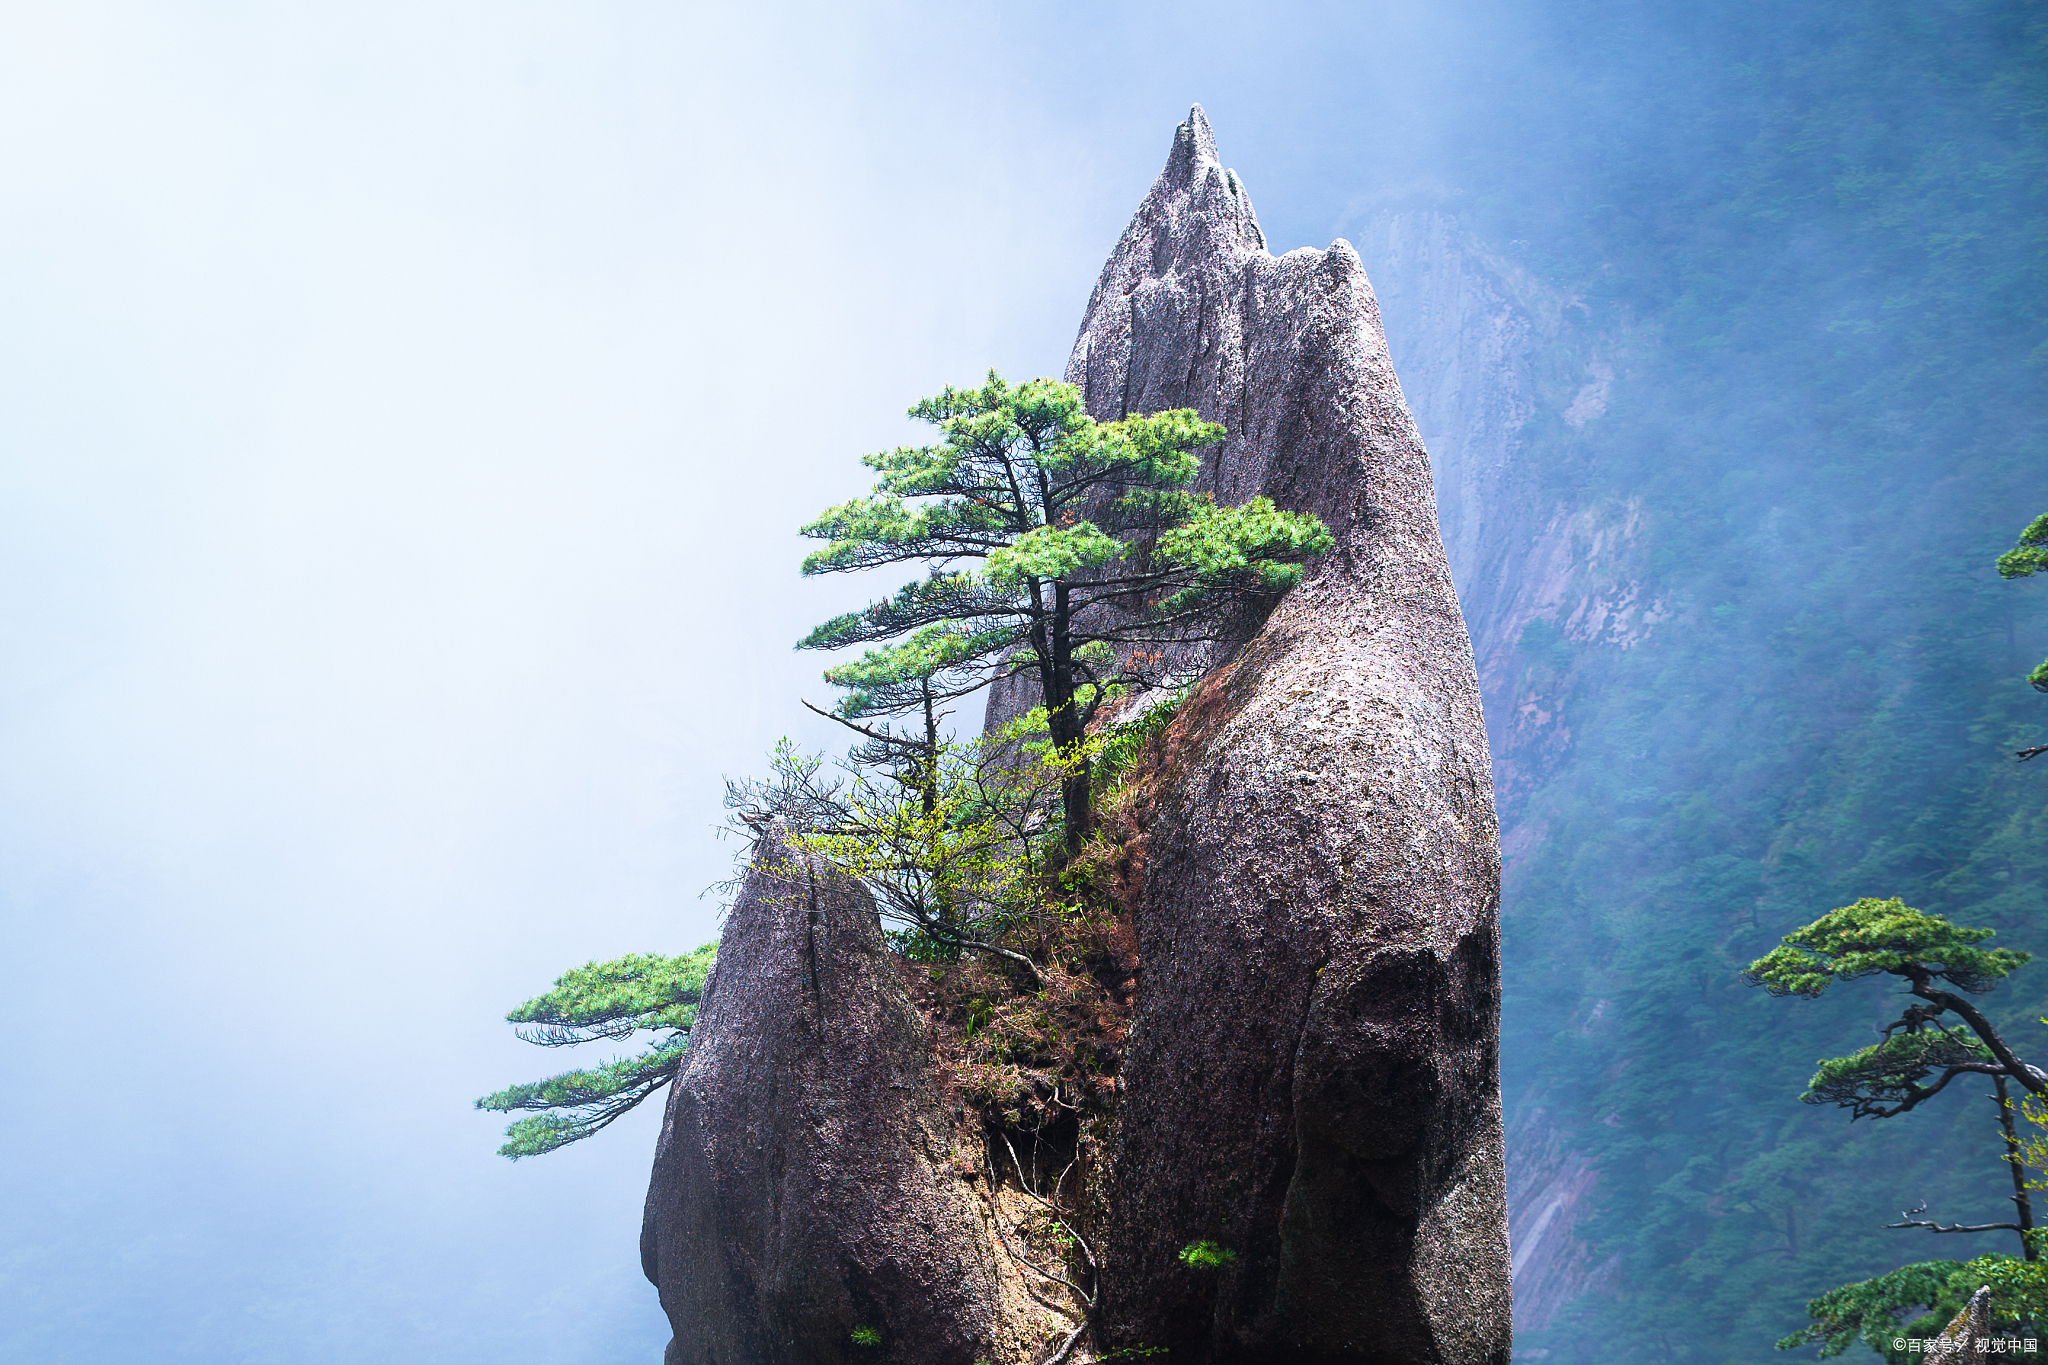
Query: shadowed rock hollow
x=1311, y=1080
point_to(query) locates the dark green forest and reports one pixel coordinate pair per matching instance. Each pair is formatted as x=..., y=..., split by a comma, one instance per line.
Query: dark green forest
x=1824, y=230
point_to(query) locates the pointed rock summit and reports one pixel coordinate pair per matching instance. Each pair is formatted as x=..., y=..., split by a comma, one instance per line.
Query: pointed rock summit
x=1313, y=1075
x=1311, y=1079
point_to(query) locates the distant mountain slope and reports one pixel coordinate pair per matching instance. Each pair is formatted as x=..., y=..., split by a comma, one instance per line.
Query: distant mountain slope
x=1730, y=414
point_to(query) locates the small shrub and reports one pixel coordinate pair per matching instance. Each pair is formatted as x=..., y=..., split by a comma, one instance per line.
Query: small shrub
x=867, y=1336
x=1206, y=1256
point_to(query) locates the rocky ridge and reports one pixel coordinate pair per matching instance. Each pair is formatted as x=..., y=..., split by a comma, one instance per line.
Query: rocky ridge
x=1310, y=1083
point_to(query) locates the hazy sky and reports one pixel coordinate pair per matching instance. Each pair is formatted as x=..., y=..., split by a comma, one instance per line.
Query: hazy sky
x=405, y=413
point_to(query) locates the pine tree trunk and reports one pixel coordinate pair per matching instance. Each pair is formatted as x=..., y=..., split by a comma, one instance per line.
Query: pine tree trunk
x=2020, y=1198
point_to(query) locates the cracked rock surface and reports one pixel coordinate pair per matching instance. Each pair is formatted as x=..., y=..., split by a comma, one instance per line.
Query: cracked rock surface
x=802, y=1186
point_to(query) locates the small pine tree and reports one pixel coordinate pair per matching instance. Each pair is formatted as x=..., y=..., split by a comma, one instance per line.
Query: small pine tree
x=1890, y=1077
x=602, y=1000
x=1086, y=536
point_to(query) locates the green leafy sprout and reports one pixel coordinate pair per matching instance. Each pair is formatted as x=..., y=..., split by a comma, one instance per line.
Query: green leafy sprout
x=1206, y=1255
x=867, y=1336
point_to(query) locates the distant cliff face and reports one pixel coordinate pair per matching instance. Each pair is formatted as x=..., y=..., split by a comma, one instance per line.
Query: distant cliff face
x=1494, y=362
x=1312, y=1079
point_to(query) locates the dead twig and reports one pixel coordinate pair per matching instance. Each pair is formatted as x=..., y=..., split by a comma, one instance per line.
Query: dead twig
x=1027, y=1184
x=996, y=1218
x=1907, y=1220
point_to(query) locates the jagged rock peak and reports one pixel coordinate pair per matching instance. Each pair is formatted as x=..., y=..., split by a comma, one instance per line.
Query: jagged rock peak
x=1198, y=221
x=1313, y=1074
x=1193, y=166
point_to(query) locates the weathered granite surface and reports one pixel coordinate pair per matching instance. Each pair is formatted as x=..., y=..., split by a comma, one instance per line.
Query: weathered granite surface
x=1313, y=1074
x=1312, y=1077
x=802, y=1187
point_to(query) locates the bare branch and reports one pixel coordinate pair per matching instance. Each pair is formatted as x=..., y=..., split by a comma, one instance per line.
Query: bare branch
x=1068, y=1345
x=1907, y=1220
x=879, y=736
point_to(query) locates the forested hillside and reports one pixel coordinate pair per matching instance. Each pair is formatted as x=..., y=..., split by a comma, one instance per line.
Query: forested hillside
x=1783, y=291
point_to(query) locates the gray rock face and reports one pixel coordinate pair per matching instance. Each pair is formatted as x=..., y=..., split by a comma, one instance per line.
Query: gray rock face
x=1312, y=1080
x=802, y=1187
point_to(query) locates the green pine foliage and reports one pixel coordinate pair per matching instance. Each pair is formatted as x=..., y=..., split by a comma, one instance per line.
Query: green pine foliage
x=1048, y=537
x=616, y=999
x=2030, y=556
x=1919, y=1301
x=602, y=1000
x=931, y=664
x=1882, y=936
x=1883, y=1080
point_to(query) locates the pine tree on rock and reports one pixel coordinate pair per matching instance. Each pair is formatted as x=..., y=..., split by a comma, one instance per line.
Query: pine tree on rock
x=1050, y=538
x=602, y=1001
x=1933, y=959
